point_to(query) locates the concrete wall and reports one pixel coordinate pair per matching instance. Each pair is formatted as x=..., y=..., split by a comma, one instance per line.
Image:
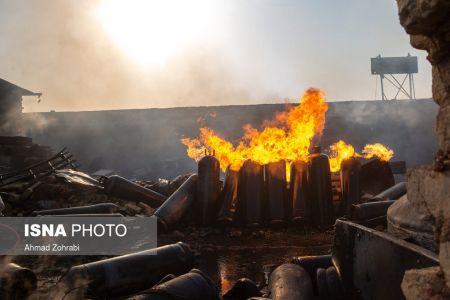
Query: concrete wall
x=147, y=141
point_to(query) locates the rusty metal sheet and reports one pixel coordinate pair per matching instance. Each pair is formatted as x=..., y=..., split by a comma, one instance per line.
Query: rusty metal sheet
x=371, y=263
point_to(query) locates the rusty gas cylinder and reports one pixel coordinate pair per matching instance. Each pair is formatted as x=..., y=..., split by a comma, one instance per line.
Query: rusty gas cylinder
x=101, y=208
x=290, y=281
x=127, y=274
x=172, y=211
x=120, y=187
x=319, y=181
x=299, y=193
x=208, y=188
x=251, y=193
x=350, y=184
x=278, y=209
x=228, y=198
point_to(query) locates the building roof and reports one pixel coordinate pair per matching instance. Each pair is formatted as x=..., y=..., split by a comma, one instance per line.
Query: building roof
x=6, y=86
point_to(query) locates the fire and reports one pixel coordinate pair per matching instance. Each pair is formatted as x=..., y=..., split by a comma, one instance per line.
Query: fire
x=378, y=150
x=287, y=137
x=341, y=151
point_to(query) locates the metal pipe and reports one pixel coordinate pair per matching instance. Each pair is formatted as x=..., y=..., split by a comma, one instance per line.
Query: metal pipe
x=190, y=286
x=101, y=208
x=370, y=210
x=278, y=209
x=228, y=198
x=128, y=274
x=208, y=188
x=299, y=193
x=350, y=184
x=311, y=264
x=177, y=205
x=87, y=215
x=321, y=191
x=16, y=282
x=392, y=193
x=290, y=282
x=120, y=187
x=251, y=193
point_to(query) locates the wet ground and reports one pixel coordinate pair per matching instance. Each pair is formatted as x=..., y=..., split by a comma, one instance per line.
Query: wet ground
x=225, y=256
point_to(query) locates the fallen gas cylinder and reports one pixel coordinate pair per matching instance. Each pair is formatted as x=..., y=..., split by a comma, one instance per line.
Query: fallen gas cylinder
x=126, y=275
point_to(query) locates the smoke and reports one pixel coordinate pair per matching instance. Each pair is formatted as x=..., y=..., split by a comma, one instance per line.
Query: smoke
x=260, y=53
x=148, y=140
x=61, y=49
x=36, y=123
x=407, y=127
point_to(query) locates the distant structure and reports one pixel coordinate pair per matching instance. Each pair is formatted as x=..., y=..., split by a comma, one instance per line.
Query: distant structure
x=387, y=67
x=11, y=107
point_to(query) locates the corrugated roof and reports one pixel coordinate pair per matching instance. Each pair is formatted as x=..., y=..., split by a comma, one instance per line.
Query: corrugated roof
x=6, y=86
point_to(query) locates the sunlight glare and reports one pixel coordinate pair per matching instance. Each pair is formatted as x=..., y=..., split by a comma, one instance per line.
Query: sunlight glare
x=150, y=31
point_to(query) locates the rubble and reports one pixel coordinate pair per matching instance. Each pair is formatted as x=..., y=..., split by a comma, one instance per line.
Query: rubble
x=16, y=152
x=55, y=192
x=425, y=284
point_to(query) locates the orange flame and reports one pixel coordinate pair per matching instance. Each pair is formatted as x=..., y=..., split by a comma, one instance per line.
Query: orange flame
x=341, y=151
x=287, y=137
x=378, y=150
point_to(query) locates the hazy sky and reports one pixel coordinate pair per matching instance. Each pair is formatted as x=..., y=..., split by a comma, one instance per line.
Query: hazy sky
x=100, y=54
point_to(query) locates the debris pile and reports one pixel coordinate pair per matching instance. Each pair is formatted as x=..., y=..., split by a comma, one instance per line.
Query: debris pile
x=19, y=151
x=256, y=196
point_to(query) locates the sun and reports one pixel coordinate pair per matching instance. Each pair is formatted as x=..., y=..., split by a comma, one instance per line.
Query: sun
x=150, y=31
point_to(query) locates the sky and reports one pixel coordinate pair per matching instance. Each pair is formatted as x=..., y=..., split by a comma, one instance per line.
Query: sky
x=121, y=54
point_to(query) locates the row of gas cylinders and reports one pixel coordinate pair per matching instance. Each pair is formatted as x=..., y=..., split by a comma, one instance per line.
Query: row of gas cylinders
x=260, y=194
